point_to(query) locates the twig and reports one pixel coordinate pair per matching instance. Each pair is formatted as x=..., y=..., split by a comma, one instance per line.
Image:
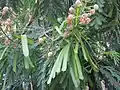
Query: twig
x=5, y=34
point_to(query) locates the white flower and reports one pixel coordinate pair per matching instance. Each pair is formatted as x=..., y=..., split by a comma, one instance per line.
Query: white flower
x=40, y=40
x=5, y=8
x=71, y=10
x=78, y=3
x=96, y=7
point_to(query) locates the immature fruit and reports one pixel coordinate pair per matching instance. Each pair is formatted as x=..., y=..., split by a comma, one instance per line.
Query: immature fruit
x=96, y=7
x=71, y=10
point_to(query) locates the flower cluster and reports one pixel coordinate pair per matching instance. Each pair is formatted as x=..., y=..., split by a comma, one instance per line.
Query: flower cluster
x=78, y=16
x=85, y=17
x=8, y=20
x=7, y=17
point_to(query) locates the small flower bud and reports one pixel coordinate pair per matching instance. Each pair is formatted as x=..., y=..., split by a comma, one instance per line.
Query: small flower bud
x=50, y=54
x=7, y=42
x=71, y=10
x=69, y=19
x=85, y=15
x=92, y=11
x=3, y=13
x=96, y=7
x=89, y=14
x=70, y=27
x=8, y=22
x=5, y=9
x=40, y=40
x=87, y=20
x=78, y=3
x=66, y=34
x=82, y=20
x=14, y=46
x=44, y=38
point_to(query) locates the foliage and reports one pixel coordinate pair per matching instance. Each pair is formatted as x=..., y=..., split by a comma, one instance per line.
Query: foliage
x=41, y=49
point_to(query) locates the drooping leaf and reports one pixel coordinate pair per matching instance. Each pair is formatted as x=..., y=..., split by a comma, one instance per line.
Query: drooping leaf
x=25, y=45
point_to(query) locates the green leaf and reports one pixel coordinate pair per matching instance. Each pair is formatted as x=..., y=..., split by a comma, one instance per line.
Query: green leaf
x=58, y=30
x=75, y=68
x=60, y=58
x=62, y=25
x=66, y=57
x=79, y=68
x=76, y=83
x=26, y=63
x=83, y=50
x=14, y=62
x=25, y=45
x=87, y=56
x=30, y=62
x=98, y=21
x=3, y=53
x=57, y=65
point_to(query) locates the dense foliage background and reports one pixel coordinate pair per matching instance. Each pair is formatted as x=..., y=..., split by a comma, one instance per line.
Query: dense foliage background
x=92, y=51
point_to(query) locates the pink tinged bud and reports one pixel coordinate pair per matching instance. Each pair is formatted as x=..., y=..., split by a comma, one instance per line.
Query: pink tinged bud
x=82, y=20
x=87, y=20
x=7, y=42
x=70, y=27
x=78, y=3
x=69, y=19
x=92, y=11
x=3, y=13
x=66, y=34
x=8, y=22
x=14, y=16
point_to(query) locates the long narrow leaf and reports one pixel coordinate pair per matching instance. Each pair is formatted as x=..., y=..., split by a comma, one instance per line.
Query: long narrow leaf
x=14, y=62
x=3, y=53
x=66, y=58
x=79, y=68
x=76, y=83
x=25, y=45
